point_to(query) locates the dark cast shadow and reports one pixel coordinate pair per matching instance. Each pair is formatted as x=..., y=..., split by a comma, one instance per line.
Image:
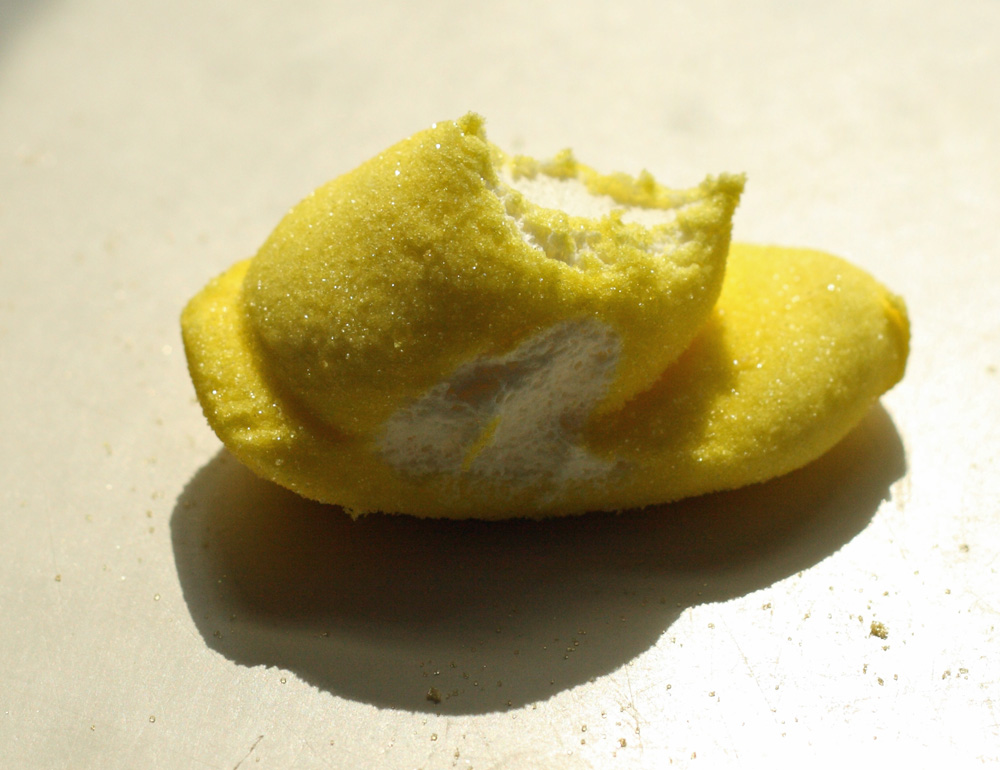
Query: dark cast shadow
x=474, y=617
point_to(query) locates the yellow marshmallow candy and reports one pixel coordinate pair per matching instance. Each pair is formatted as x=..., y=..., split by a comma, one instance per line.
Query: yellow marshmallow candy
x=450, y=331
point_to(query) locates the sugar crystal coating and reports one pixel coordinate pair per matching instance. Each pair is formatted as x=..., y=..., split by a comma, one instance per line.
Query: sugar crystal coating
x=451, y=331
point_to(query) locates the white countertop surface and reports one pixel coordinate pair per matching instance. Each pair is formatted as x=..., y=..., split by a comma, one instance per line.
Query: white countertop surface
x=162, y=608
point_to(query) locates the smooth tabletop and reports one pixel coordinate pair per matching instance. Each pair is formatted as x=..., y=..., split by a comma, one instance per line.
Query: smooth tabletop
x=160, y=607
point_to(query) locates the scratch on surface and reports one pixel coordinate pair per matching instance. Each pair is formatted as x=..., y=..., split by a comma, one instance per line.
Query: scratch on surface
x=631, y=702
x=751, y=670
x=259, y=739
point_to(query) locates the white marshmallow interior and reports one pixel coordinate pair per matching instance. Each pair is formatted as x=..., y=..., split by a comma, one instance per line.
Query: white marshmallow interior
x=572, y=196
x=515, y=418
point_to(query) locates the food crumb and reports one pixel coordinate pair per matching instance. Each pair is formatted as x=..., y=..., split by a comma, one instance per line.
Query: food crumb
x=879, y=629
x=434, y=695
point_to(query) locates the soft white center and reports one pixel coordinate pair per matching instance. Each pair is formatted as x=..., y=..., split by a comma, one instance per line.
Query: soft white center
x=516, y=418
x=572, y=196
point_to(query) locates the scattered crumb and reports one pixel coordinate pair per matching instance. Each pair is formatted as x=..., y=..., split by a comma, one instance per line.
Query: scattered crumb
x=434, y=695
x=879, y=629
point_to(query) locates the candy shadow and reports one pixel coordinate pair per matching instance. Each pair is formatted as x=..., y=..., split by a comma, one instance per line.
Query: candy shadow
x=475, y=617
